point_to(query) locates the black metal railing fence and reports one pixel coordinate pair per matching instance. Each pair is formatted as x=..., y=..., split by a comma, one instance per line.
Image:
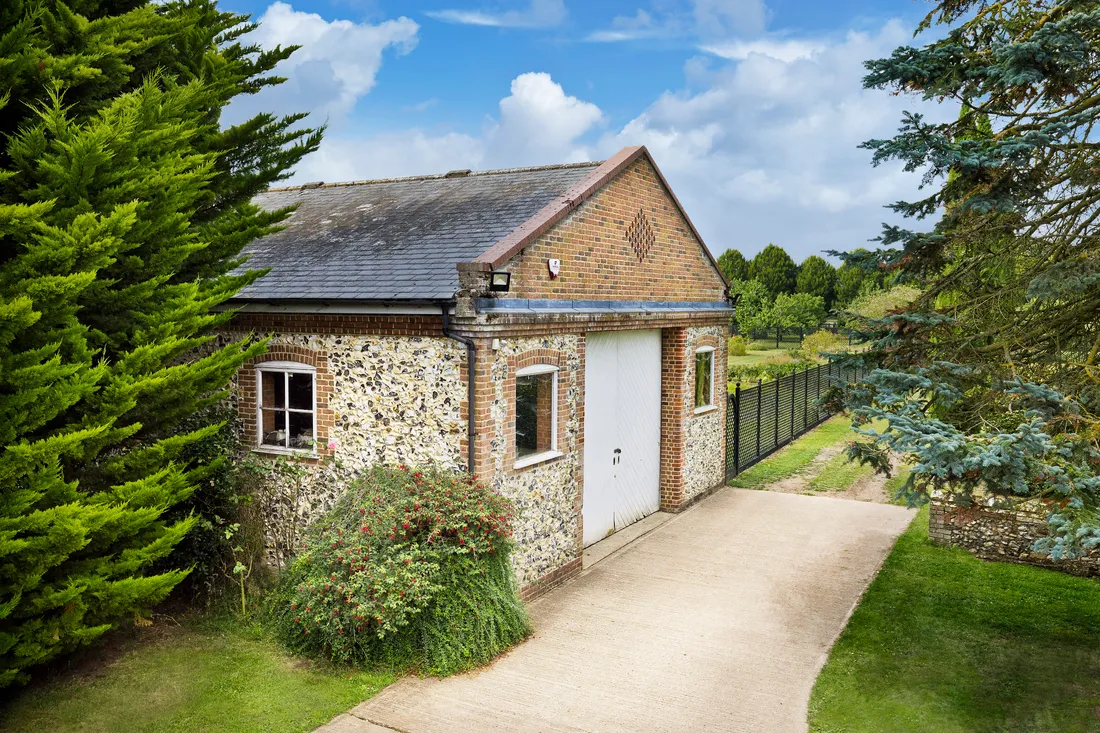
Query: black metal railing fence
x=788, y=337
x=765, y=417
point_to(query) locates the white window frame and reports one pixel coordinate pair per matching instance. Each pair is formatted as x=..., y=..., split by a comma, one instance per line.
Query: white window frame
x=713, y=404
x=532, y=371
x=287, y=368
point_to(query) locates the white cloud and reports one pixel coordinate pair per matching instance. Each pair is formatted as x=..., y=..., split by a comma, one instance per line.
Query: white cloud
x=421, y=106
x=718, y=18
x=385, y=155
x=539, y=14
x=781, y=49
x=628, y=28
x=705, y=19
x=538, y=124
x=762, y=146
x=767, y=151
x=336, y=65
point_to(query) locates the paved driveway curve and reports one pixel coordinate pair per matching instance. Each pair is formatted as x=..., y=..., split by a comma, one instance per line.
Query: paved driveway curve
x=718, y=620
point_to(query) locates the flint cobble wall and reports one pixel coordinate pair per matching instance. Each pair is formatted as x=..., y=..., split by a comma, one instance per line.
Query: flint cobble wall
x=394, y=400
x=380, y=399
x=705, y=433
x=1007, y=535
x=546, y=494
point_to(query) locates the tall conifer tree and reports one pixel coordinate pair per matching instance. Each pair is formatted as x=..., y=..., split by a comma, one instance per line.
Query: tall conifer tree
x=849, y=280
x=817, y=277
x=773, y=267
x=124, y=206
x=733, y=265
x=990, y=380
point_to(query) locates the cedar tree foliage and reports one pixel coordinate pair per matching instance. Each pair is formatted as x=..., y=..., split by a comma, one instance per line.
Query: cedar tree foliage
x=990, y=380
x=124, y=206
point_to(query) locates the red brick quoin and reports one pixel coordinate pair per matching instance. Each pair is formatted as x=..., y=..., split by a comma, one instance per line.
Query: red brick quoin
x=673, y=401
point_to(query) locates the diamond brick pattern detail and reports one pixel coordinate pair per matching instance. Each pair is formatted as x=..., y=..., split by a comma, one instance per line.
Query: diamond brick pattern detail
x=640, y=235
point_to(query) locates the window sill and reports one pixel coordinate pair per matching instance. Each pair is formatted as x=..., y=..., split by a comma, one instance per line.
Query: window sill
x=537, y=458
x=274, y=450
x=705, y=409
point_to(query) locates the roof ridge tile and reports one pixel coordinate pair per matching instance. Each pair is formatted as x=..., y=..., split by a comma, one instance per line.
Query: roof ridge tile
x=436, y=176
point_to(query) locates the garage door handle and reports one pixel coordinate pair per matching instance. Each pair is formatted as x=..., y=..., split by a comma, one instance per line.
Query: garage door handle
x=615, y=459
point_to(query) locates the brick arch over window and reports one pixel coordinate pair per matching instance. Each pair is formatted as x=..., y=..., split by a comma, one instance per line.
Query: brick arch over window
x=718, y=374
x=702, y=341
x=247, y=392
x=719, y=366
x=536, y=357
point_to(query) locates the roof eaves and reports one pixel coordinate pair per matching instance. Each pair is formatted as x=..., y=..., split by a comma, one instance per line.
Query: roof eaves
x=376, y=306
x=556, y=210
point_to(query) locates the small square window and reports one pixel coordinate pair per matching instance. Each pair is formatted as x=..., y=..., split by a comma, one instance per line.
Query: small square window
x=286, y=413
x=704, y=378
x=536, y=413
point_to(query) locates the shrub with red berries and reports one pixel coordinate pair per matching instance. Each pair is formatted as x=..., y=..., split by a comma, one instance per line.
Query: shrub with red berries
x=404, y=569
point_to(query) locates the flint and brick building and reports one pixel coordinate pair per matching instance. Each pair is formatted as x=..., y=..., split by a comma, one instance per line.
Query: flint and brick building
x=560, y=331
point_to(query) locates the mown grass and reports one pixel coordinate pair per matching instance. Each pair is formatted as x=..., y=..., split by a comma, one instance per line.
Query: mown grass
x=946, y=643
x=796, y=456
x=206, y=676
x=894, y=483
x=777, y=356
x=767, y=344
x=839, y=474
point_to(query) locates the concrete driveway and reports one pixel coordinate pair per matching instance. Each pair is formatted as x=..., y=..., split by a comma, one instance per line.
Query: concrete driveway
x=717, y=620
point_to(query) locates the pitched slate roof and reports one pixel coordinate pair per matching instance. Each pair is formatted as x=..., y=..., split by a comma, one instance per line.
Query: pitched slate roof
x=396, y=239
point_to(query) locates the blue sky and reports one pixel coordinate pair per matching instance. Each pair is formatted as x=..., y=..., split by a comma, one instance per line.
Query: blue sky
x=752, y=108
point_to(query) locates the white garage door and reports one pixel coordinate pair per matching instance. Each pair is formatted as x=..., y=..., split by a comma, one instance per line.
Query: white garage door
x=622, y=430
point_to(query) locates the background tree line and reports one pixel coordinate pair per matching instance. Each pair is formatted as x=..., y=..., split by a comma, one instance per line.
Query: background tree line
x=777, y=293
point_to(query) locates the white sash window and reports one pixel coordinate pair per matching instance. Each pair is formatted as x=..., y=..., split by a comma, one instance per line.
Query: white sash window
x=286, y=408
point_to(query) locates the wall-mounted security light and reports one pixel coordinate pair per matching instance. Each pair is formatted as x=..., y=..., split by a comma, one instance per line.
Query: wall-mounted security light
x=500, y=281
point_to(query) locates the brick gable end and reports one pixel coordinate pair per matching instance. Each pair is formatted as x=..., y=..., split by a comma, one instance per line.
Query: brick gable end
x=628, y=241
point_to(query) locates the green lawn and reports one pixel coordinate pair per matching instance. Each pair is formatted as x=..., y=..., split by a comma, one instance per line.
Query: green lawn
x=769, y=344
x=894, y=483
x=761, y=357
x=764, y=358
x=839, y=474
x=945, y=643
x=796, y=456
x=202, y=677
